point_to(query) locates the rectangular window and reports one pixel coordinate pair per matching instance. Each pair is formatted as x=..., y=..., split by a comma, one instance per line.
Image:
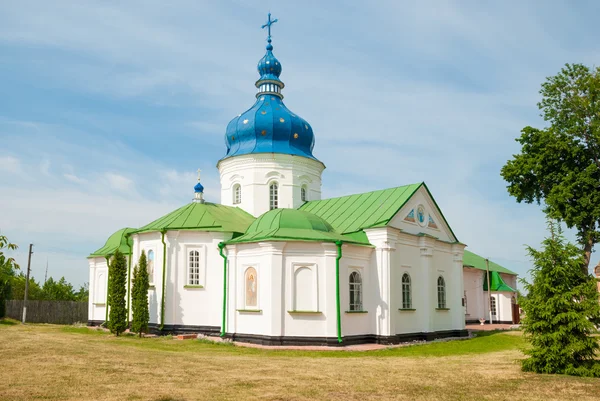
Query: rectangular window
x=194, y=268
x=493, y=305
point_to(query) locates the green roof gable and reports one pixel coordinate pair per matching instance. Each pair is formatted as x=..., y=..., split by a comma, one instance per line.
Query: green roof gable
x=119, y=240
x=292, y=225
x=353, y=213
x=478, y=262
x=497, y=283
x=202, y=217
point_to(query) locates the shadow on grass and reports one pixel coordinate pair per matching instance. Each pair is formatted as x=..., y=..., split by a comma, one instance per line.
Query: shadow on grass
x=8, y=322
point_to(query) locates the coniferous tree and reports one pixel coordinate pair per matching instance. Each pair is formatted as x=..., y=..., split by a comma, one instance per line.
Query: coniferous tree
x=117, y=321
x=139, y=302
x=561, y=310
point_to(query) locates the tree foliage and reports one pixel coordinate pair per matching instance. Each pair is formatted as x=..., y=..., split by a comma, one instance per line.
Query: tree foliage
x=117, y=272
x=51, y=290
x=560, y=165
x=139, y=302
x=561, y=310
x=8, y=269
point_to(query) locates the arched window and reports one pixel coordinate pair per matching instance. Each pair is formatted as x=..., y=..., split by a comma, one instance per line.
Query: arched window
x=441, y=290
x=194, y=268
x=355, y=292
x=273, y=196
x=406, y=292
x=251, y=287
x=150, y=266
x=303, y=197
x=237, y=194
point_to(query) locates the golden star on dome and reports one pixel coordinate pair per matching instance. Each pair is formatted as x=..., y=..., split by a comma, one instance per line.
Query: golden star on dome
x=281, y=120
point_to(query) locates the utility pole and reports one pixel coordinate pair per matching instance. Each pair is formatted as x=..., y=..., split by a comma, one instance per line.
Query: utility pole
x=27, y=283
x=46, y=275
x=487, y=266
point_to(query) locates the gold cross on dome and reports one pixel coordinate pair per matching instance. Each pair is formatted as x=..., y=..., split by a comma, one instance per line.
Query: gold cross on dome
x=199, y=175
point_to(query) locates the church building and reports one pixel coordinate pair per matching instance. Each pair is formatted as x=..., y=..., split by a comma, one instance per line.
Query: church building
x=276, y=264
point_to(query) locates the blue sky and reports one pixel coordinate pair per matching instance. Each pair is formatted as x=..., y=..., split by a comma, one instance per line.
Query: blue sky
x=108, y=108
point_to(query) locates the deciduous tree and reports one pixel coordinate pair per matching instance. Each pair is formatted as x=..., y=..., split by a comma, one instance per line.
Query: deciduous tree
x=559, y=165
x=8, y=268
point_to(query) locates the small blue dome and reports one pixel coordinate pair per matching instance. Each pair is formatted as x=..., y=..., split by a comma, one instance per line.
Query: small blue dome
x=269, y=67
x=198, y=188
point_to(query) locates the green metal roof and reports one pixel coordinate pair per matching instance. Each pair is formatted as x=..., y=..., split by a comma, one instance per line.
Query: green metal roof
x=292, y=225
x=203, y=217
x=353, y=213
x=497, y=283
x=478, y=262
x=118, y=240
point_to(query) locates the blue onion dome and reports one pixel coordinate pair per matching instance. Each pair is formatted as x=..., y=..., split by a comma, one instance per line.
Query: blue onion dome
x=269, y=126
x=198, y=188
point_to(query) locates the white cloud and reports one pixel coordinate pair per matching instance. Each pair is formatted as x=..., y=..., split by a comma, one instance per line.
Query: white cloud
x=119, y=182
x=73, y=178
x=10, y=164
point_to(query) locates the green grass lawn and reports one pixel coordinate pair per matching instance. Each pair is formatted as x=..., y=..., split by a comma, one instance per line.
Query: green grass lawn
x=76, y=363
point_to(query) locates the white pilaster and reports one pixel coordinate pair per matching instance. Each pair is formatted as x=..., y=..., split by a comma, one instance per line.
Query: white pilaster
x=426, y=245
x=459, y=285
x=384, y=240
x=329, y=305
x=276, y=302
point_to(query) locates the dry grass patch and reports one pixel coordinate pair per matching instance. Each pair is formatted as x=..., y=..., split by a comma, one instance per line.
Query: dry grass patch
x=58, y=363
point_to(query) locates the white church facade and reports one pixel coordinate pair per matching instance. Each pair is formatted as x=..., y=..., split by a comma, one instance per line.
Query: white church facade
x=275, y=264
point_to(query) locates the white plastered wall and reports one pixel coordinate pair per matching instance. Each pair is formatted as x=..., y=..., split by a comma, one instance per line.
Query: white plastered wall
x=185, y=304
x=473, y=285
x=279, y=266
x=255, y=173
x=424, y=259
x=98, y=288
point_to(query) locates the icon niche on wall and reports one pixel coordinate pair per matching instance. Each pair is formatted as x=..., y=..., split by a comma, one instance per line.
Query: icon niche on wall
x=420, y=216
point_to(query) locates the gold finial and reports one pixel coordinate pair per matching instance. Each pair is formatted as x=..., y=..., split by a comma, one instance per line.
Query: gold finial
x=199, y=175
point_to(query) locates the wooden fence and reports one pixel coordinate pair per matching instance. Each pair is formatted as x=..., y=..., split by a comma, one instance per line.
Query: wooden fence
x=57, y=312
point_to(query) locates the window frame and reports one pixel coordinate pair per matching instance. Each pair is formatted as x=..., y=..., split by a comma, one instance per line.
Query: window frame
x=237, y=194
x=273, y=195
x=494, y=306
x=355, y=291
x=406, y=291
x=189, y=280
x=441, y=293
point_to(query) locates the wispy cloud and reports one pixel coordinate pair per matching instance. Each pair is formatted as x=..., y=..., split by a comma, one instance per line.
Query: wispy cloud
x=10, y=164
